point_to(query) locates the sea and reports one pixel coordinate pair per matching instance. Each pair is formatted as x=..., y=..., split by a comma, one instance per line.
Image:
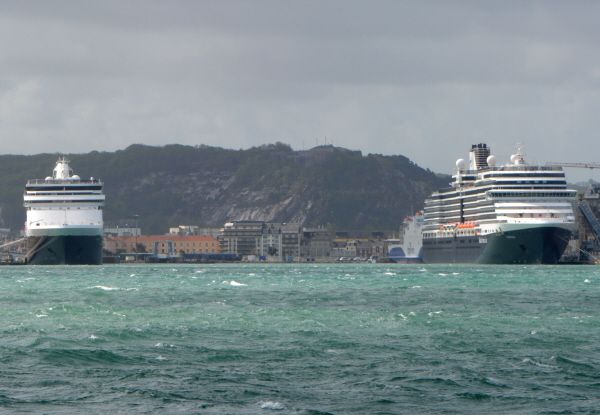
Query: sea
x=307, y=339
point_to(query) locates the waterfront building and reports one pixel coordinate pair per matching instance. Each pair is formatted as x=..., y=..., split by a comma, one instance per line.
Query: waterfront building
x=169, y=245
x=280, y=241
x=116, y=230
x=241, y=237
x=316, y=242
x=273, y=240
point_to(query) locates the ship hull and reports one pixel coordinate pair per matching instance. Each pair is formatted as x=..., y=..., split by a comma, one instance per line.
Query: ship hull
x=535, y=245
x=64, y=250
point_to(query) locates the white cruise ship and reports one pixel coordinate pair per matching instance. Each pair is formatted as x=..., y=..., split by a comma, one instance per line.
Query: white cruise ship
x=64, y=218
x=512, y=214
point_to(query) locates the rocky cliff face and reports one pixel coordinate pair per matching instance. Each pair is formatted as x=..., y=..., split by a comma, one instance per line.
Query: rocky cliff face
x=176, y=184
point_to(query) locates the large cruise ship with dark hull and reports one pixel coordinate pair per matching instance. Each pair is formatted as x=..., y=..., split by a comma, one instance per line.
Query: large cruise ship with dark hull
x=64, y=219
x=512, y=214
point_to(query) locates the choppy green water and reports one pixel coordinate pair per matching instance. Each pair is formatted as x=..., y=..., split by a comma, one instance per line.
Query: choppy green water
x=300, y=339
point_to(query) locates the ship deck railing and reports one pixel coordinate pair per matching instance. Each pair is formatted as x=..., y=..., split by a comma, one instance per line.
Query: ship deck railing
x=510, y=167
x=61, y=181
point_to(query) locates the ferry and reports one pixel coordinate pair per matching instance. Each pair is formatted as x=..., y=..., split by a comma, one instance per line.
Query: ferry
x=64, y=218
x=407, y=249
x=517, y=213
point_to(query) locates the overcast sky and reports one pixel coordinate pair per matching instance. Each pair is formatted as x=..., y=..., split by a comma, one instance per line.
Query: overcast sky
x=422, y=79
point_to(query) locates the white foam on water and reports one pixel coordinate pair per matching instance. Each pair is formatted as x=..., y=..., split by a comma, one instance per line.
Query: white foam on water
x=431, y=313
x=416, y=286
x=456, y=273
x=199, y=271
x=105, y=288
x=273, y=405
x=159, y=344
x=441, y=274
x=403, y=316
x=533, y=332
x=92, y=337
x=422, y=270
x=586, y=281
x=234, y=283
x=251, y=274
x=41, y=315
x=536, y=363
x=389, y=273
x=412, y=313
x=132, y=275
x=160, y=357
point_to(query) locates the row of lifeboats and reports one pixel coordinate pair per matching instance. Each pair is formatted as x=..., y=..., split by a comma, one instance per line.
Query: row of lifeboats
x=452, y=226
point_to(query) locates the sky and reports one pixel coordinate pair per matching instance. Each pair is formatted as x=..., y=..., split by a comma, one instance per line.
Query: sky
x=425, y=79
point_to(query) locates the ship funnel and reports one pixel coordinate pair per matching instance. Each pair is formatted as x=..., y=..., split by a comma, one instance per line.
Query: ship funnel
x=478, y=156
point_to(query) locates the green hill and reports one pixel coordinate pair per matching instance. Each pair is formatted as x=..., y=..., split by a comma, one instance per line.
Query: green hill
x=202, y=185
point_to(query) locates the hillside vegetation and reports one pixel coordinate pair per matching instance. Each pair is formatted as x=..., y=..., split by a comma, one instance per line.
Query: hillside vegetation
x=202, y=185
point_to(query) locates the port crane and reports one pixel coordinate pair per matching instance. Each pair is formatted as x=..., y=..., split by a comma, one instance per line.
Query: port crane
x=584, y=206
x=575, y=165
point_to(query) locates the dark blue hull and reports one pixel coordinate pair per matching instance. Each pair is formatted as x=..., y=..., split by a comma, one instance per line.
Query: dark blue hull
x=544, y=245
x=65, y=250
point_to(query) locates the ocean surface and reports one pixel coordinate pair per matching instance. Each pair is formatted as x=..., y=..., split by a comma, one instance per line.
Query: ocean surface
x=300, y=339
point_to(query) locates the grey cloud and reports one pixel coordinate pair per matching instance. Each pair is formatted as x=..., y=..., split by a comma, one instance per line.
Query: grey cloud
x=424, y=79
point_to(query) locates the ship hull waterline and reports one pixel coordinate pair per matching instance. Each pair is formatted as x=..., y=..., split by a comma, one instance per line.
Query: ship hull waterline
x=64, y=250
x=536, y=245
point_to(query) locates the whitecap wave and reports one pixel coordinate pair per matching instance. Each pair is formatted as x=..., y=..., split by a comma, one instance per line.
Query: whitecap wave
x=274, y=405
x=106, y=288
x=234, y=283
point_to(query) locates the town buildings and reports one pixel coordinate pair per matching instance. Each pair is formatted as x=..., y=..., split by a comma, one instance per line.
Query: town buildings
x=265, y=240
x=162, y=245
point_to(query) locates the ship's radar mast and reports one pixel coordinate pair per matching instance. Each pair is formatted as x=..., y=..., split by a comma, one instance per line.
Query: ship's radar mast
x=519, y=157
x=62, y=171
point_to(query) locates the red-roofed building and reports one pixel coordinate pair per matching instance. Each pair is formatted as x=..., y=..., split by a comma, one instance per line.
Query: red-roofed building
x=162, y=244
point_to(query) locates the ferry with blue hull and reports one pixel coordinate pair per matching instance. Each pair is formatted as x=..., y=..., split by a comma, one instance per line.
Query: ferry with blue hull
x=407, y=250
x=64, y=218
x=511, y=214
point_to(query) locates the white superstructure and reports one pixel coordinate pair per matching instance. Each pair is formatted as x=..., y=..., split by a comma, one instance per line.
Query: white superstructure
x=408, y=247
x=63, y=204
x=486, y=199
